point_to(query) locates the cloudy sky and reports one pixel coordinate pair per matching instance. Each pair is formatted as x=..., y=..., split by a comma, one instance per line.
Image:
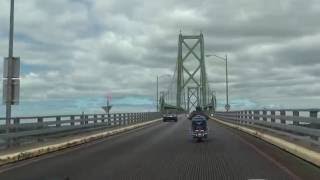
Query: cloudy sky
x=76, y=52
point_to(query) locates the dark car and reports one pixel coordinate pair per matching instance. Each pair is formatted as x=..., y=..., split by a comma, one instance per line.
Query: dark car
x=170, y=117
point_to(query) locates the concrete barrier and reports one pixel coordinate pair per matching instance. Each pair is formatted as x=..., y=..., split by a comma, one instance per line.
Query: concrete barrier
x=297, y=150
x=14, y=157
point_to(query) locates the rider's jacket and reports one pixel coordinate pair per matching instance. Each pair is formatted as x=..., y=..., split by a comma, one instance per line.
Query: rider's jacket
x=194, y=113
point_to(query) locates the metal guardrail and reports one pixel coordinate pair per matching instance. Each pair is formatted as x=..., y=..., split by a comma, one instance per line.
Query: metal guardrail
x=298, y=121
x=42, y=125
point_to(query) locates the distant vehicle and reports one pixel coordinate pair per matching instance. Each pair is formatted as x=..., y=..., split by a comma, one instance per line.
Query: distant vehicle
x=199, y=129
x=170, y=117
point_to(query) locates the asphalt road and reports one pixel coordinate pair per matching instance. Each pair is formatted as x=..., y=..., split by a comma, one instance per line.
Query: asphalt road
x=166, y=151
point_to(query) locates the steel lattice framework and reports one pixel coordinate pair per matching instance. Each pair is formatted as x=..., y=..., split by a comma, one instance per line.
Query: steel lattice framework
x=186, y=77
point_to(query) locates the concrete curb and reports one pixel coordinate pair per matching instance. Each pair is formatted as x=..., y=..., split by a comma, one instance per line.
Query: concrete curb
x=299, y=151
x=14, y=157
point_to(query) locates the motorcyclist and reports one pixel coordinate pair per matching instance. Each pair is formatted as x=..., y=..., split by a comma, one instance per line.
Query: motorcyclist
x=198, y=111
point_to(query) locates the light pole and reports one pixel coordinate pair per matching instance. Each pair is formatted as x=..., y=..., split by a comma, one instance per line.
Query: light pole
x=227, y=106
x=9, y=70
x=157, y=93
x=158, y=89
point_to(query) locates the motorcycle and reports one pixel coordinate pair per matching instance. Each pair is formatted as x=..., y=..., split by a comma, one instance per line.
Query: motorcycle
x=199, y=129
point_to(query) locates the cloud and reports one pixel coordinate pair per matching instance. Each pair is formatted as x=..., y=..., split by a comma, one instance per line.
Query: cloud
x=84, y=49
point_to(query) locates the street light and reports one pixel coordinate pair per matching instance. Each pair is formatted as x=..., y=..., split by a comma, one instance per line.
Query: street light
x=11, y=73
x=227, y=106
x=158, y=88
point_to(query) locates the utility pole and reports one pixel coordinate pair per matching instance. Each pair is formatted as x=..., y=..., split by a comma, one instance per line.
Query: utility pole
x=227, y=85
x=9, y=70
x=227, y=106
x=157, y=93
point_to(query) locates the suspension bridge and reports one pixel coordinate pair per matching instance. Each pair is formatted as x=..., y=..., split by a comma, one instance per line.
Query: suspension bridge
x=248, y=144
x=189, y=86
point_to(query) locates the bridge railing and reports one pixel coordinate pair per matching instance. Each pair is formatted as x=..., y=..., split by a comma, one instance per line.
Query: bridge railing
x=43, y=125
x=298, y=121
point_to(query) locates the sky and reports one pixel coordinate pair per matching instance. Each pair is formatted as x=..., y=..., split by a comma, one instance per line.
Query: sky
x=74, y=53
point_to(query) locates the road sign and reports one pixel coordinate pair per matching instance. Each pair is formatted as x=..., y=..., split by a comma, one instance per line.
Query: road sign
x=227, y=106
x=15, y=91
x=12, y=66
x=11, y=75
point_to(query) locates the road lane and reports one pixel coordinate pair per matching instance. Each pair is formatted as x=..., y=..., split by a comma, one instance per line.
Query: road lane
x=166, y=151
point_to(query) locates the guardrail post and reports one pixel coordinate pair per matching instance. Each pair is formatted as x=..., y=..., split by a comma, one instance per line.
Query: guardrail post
x=136, y=117
x=81, y=119
x=16, y=121
x=264, y=112
x=109, y=120
x=40, y=120
x=127, y=118
x=58, y=121
x=114, y=119
x=102, y=118
x=142, y=117
x=256, y=115
x=238, y=116
x=282, y=113
x=86, y=117
x=252, y=115
x=118, y=119
x=130, y=115
x=295, y=114
x=314, y=114
x=72, y=120
x=122, y=120
x=245, y=117
x=95, y=121
x=13, y=141
x=273, y=114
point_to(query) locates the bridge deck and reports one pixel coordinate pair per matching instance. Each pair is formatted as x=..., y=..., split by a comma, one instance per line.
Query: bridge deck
x=165, y=151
